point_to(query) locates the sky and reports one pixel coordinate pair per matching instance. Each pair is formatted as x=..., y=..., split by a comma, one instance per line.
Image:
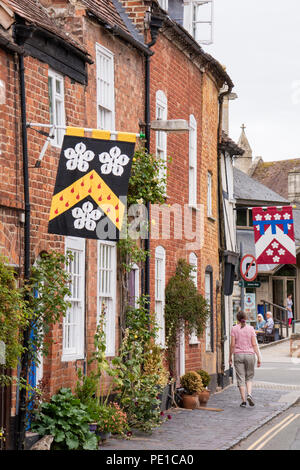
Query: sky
x=259, y=43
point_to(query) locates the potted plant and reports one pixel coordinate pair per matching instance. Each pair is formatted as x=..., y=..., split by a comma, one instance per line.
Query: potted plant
x=205, y=394
x=192, y=384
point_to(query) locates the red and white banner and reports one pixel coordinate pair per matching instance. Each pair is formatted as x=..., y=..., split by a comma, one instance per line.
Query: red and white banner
x=274, y=235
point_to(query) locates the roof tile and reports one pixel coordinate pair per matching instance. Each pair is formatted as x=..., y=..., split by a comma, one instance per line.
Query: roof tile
x=35, y=13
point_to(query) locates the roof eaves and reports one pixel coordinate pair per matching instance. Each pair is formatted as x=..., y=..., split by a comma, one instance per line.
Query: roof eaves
x=215, y=67
x=127, y=21
x=118, y=31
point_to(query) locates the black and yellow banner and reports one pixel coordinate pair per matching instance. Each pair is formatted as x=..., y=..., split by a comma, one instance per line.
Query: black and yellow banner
x=92, y=178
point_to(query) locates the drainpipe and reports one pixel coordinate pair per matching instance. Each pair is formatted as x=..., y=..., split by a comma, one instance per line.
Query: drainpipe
x=221, y=363
x=21, y=416
x=155, y=24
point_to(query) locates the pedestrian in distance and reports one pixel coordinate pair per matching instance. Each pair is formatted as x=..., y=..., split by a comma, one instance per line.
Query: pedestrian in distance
x=244, y=347
x=269, y=323
x=289, y=305
x=260, y=322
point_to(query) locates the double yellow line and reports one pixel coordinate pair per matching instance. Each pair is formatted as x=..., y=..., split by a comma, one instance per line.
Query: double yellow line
x=268, y=436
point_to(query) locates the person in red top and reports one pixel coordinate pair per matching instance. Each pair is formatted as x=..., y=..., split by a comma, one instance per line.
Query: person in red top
x=244, y=347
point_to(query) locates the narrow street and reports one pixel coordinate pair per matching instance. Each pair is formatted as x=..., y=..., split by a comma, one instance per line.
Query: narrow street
x=278, y=370
x=276, y=390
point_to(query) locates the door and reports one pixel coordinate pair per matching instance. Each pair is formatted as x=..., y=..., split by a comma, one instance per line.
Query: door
x=279, y=298
x=290, y=289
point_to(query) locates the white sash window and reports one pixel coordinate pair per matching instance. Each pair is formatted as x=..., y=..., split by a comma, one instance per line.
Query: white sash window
x=160, y=280
x=193, y=162
x=107, y=280
x=73, y=325
x=105, y=88
x=56, y=105
x=161, y=136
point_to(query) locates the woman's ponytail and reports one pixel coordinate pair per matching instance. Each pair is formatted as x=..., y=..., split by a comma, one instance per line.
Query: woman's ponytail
x=242, y=317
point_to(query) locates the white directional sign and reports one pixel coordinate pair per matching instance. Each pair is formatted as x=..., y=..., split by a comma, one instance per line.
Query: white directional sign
x=248, y=268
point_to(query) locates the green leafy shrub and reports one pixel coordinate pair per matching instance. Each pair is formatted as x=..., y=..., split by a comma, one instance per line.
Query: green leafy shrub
x=191, y=382
x=67, y=420
x=146, y=183
x=14, y=317
x=137, y=391
x=185, y=309
x=205, y=377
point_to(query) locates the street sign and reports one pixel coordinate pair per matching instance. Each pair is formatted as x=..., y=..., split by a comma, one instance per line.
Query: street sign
x=248, y=268
x=250, y=284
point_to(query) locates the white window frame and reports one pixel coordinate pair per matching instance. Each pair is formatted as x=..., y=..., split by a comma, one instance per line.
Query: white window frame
x=192, y=22
x=209, y=194
x=57, y=100
x=75, y=315
x=208, y=297
x=193, y=261
x=136, y=271
x=108, y=295
x=105, y=88
x=193, y=162
x=164, y=4
x=160, y=282
x=161, y=136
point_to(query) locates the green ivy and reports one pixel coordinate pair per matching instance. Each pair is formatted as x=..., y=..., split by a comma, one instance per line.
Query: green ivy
x=47, y=293
x=14, y=317
x=146, y=183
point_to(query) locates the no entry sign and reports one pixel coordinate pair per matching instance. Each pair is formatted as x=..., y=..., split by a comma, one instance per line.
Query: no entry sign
x=248, y=268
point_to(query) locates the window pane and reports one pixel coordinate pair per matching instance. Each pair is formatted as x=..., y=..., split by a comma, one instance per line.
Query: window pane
x=50, y=94
x=58, y=87
x=241, y=217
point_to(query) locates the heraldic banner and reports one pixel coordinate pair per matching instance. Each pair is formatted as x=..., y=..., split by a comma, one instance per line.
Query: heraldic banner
x=274, y=235
x=91, y=182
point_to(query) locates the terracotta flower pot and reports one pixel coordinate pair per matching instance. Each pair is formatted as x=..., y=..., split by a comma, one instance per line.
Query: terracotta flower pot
x=190, y=402
x=204, y=397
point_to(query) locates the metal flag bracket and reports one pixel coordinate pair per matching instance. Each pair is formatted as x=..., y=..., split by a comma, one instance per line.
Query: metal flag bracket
x=52, y=128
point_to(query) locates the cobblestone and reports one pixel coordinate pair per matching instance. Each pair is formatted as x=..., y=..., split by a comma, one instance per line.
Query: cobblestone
x=209, y=430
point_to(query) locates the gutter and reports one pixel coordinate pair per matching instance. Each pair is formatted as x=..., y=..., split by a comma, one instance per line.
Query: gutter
x=21, y=416
x=222, y=243
x=10, y=46
x=155, y=25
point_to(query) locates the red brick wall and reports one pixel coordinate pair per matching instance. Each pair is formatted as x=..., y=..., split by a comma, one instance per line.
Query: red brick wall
x=188, y=92
x=81, y=111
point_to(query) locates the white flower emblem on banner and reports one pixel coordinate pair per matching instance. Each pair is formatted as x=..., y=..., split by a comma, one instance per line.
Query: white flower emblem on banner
x=113, y=162
x=86, y=216
x=79, y=157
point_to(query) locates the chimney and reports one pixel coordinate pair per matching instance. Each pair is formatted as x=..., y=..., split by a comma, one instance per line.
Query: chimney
x=294, y=185
x=225, y=117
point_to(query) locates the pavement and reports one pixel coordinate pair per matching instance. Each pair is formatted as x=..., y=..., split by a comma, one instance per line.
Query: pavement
x=276, y=389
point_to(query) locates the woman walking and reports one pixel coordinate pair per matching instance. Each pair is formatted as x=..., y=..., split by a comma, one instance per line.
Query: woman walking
x=244, y=347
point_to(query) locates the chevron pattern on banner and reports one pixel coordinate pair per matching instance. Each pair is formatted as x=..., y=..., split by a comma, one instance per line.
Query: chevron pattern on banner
x=92, y=178
x=274, y=235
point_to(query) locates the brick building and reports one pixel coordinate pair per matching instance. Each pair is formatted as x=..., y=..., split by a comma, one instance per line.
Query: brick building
x=71, y=50
x=185, y=83
x=63, y=75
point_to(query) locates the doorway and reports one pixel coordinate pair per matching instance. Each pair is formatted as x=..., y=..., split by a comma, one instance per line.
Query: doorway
x=282, y=287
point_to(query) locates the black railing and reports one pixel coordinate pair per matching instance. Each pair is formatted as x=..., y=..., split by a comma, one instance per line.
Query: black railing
x=280, y=315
